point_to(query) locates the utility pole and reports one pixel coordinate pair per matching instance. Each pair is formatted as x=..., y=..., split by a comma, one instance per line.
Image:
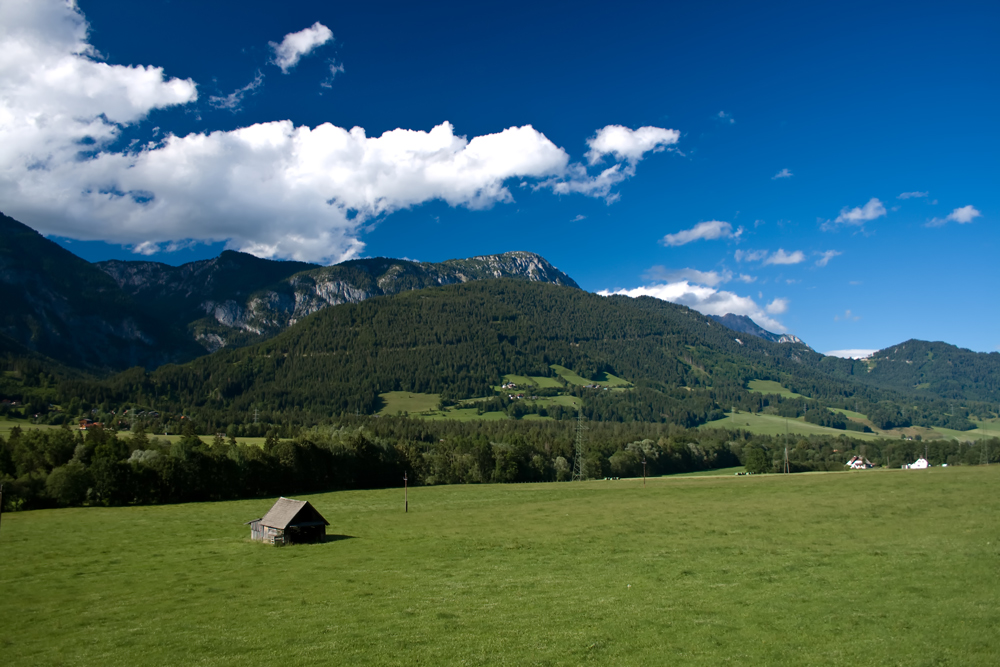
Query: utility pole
x=644, y=473
x=578, y=457
x=1, y=500
x=406, y=499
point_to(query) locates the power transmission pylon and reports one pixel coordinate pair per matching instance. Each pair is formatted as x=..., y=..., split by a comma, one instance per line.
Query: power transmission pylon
x=578, y=456
x=984, y=452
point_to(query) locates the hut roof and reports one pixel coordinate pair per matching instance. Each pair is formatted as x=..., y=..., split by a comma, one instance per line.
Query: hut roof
x=287, y=512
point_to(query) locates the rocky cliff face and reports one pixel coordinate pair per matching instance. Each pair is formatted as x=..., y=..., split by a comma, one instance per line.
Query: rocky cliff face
x=236, y=299
x=744, y=324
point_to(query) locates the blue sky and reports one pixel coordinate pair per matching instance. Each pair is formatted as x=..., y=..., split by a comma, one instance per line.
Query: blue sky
x=828, y=169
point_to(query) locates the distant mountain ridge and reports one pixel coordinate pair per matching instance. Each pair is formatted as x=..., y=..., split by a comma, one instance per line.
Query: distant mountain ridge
x=236, y=299
x=744, y=324
x=63, y=307
x=116, y=314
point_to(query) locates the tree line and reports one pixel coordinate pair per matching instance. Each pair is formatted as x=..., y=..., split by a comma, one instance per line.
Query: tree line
x=63, y=467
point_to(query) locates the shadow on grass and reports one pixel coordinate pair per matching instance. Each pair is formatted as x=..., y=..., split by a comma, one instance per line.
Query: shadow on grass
x=336, y=538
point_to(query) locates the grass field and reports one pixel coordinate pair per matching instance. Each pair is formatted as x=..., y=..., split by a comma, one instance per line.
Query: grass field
x=408, y=401
x=764, y=424
x=526, y=381
x=875, y=568
x=606, y=379
x=711, y=473
x=851, y=414
x=774, y=425
x=772, y=387
x=7, y=424
x=465, y=415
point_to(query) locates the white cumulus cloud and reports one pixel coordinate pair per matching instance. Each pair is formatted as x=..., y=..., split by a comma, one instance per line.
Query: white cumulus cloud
x=629, y=145
x=859, y=215
x=710, y=278
x=962, y=216
x=295, y=45
x=749, y=255
x=784, y=173
x=911, y=195
x=781, y=257
x=273, y=189
x=710, y=230
x=777, y=306
x=705, y=299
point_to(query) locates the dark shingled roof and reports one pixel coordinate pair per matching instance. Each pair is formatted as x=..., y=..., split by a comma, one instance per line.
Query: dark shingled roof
x=287, y=512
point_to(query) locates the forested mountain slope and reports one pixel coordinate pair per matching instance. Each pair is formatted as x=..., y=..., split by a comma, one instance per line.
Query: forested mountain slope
x=237, y=299
x=923, y=367
x=63, y=307
x=458, y=341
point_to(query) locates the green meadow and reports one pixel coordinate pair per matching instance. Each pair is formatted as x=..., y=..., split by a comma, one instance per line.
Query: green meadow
x=7, y=424
x=772, y=387
x=408, y=401
x=875, y=567
x=764, y=424
x=605, y=379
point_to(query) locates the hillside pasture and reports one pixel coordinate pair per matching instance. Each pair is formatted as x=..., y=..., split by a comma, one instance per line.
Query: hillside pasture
x=854, y=416
x=764, y=424
x=698, y=571
x=6, y=425
x=394, y=402
x=605, y=379
x=527, y=381
x=464, y=415
x=772, y=387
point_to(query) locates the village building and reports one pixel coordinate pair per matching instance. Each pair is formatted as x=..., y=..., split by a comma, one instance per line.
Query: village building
x=919, y=464
x=289, y=522
x=859, y=463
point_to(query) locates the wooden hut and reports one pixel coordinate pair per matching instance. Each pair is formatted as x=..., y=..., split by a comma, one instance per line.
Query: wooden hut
x=289, y=522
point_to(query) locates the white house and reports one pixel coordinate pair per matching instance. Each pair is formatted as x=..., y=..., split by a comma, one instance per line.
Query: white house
x=859, y=463
x=919, y=464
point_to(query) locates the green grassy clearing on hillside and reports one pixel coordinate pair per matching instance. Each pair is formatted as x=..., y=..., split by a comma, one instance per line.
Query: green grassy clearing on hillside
x=856, y=416
x=408, y=401
x=7, y=424
x=605, y=380
x=463, y=415
x=772, y=387
x=528, y=381
x=765, y=424
x=701, y=571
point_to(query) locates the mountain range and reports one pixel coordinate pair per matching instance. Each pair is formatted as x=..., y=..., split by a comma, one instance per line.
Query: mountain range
x=117, y=314
x=309, y=341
